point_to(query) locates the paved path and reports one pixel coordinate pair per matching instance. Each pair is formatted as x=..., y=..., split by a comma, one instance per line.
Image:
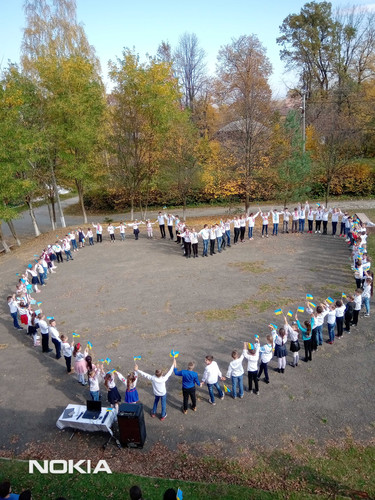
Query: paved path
x=24, y=227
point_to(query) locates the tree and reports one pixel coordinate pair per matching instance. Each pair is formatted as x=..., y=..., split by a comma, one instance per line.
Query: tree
x=57, y=55
x=334, y=141
x=245, y=96
x=18, y=137
x=292, y=163
x=309, y=45
x=190, y=68
x=183, y=168
x=143, y=105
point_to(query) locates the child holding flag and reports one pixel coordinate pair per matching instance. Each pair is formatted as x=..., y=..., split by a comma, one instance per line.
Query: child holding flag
x=160, y=391
x=266, y=353
x=251, y=353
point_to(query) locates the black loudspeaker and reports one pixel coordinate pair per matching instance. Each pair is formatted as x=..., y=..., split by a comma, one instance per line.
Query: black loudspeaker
x=131, y=425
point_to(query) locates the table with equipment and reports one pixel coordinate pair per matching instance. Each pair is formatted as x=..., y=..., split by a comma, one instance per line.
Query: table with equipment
x=72, y=417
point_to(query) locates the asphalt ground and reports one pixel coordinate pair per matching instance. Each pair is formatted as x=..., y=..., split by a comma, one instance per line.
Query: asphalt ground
x=144, y=298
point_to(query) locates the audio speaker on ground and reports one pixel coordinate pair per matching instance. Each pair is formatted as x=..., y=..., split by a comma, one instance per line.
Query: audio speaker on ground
x=131, y=424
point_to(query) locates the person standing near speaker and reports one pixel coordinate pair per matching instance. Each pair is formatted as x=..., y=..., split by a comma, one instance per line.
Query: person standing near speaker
x=131, y=394
x=189, y=379
x=160, y=391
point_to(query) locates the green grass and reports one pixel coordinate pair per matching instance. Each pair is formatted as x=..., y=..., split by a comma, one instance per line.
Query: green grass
x=304, y=471
x=256, y=267
x=117, y=485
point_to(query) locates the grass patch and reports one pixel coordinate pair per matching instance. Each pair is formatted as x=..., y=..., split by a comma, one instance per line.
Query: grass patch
x=256, y=267
x=303, y=471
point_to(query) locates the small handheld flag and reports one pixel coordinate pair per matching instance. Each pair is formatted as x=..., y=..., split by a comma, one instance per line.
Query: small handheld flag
x=278, y=311
x=50, y=317
x=309, y=296
x=273, y=326
x=29, y=266
x=101, y=360
x=39, y=303
x=179, y=494
x=174, y=354
x=17, y=274
x=36, y=255
x=37, y=312
x=112, y=371
x=251, y=346
x=301, y=309
x=330, y=300
x=107, y=360
x=75, y=334
x=256, y=336
x=226, y=389
x=343, y=295
x=318, y=204
x=32, y=301
x=290, y=314
x=23, y=281
x=137, y=357
x=89, y=345
x=312, y=304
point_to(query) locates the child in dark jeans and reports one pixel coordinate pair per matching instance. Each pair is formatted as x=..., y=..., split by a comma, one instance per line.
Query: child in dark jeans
x=189, y=379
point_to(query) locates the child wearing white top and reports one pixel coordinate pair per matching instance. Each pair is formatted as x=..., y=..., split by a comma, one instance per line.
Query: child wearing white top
x=357, y=306
x=251, y=218
x=235, y=373
x=331, y=322
x=266, y=354
x=111, y=231
x=366, y=295
x=252, y=356
x=194, y=242
x=280, y=349
x=158, y=385
x=293, y=332
x=265, y=216
x=211, y=377
x=340, y=310
x=149, y=225
x=67, y=350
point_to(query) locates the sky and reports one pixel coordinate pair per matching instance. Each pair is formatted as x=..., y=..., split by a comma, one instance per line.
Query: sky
x=111, y=25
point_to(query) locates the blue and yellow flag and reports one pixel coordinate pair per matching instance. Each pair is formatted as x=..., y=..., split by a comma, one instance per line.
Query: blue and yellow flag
x=290, y=314
x=301, y=310
x=309, y=296
x=278, y=311
x=312, y=304
x=226, y=389
x=330, y=300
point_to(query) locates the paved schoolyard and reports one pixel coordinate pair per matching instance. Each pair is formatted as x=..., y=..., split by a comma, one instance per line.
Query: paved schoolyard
x=143, y=298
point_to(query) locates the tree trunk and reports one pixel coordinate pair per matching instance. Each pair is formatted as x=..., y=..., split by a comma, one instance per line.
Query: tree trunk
x=2, y=241
x=132, y=208
x=327, y=192
x=50, y=213
x=62, y=218
x=184, y=208
x=52, y=201
x=13, y=231
x=32, y=215
x=247, y=202
x=79, y=185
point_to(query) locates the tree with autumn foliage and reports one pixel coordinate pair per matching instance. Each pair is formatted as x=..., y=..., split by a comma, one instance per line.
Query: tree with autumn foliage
x=244, y=95
x=291, y=163
x=57, y=56
x=143, y=107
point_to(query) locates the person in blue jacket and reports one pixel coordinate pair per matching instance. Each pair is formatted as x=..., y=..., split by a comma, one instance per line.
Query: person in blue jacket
x=189, y=379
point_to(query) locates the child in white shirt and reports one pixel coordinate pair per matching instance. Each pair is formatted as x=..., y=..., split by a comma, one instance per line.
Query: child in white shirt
x=235, y=373
x=211, y=377
x=252, y=356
